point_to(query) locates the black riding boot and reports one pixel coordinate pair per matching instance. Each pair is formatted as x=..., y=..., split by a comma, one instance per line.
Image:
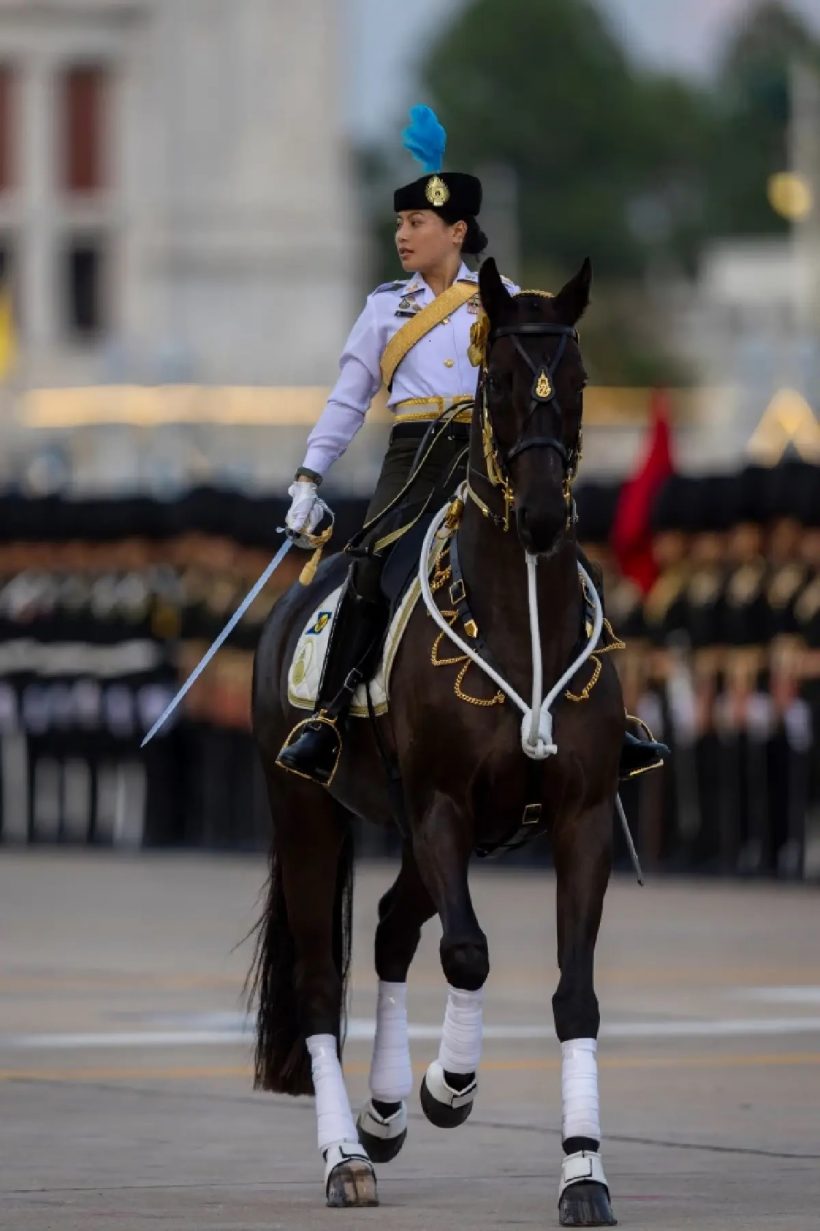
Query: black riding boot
x=639, y=750
x=313, y=747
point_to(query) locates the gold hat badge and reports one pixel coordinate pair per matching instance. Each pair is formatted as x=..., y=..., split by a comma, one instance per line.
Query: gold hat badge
x=436, y=191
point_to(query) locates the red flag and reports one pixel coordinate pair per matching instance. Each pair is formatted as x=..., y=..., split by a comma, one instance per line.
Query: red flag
x=631, y=534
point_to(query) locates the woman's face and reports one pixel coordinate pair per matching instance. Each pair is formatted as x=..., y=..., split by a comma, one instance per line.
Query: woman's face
x=424, y=240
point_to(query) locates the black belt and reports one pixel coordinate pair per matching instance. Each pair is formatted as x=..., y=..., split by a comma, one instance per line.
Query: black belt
x=415, y=431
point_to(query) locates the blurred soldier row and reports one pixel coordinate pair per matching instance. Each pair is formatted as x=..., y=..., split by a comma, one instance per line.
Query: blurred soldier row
x=106, y=605
x=722, y=660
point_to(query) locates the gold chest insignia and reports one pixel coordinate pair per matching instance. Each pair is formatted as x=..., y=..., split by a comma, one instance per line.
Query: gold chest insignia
x=436, y=191
x=407, y=307
x=479, y=332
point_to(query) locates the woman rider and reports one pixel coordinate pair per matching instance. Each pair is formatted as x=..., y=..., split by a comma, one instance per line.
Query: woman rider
x=413, y=335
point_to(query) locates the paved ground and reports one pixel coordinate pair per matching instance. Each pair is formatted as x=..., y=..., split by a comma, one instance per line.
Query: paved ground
x=124, y=1084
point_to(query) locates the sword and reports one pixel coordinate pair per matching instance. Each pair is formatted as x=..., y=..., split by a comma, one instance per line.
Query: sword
x=226, y=632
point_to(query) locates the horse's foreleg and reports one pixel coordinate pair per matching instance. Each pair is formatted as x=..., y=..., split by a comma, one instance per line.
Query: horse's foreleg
x=442, y=846
x=583, y=860
x=406, y=906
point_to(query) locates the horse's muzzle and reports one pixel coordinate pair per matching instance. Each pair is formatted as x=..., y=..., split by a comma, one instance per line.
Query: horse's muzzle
x=539, y=531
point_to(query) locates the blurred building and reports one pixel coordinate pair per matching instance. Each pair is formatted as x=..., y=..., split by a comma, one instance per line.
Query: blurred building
x=175, y=198
x=743, y=329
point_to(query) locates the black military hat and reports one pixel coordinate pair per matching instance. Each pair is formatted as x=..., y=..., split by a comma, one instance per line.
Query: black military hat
x=806, y=495
x=453, y=195
x=752, y=504
x=674, y=506
x=595, y=503
x=711, y=505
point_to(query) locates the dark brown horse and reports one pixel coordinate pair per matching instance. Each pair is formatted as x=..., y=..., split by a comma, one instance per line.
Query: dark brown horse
x=466, y=784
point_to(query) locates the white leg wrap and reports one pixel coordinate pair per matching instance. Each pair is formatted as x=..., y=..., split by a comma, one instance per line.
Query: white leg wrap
x=391, y=1075
x=579, y=1089
x=334, y=1122
x=460, y=1050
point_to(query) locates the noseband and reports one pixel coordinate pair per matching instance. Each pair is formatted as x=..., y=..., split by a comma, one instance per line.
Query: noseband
x=542, y=394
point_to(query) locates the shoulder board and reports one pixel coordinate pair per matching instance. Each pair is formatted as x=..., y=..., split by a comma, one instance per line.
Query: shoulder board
x=389, y=286
x=808, y=604
x=663, y=594
x=785, y=584
x=507, y=281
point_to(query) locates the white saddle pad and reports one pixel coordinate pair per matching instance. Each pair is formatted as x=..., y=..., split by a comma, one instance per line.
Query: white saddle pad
x=306, y=666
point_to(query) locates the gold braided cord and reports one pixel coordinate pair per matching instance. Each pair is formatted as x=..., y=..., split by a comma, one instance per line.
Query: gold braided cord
x=498, y=699
x=583, y=695
x=442, y=575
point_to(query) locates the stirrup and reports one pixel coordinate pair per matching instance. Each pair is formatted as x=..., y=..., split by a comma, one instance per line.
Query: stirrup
x=305, y=765
x=642, y=749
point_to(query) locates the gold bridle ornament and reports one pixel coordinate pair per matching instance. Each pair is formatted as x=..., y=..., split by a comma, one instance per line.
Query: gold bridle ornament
x=496, y=475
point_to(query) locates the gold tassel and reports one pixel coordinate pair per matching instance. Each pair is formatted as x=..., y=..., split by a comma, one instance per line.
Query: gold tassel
x=318, y=542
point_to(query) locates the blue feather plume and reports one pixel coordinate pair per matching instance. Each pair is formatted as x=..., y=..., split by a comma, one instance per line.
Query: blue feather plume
x=425, y=138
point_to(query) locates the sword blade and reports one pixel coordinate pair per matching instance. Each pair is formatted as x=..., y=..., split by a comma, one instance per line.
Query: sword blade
x=226, y=632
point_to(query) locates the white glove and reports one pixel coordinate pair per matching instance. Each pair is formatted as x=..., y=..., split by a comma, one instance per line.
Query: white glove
x=305, y=512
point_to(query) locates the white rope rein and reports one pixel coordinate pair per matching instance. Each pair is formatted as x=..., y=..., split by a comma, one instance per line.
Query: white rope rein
x=536, y=725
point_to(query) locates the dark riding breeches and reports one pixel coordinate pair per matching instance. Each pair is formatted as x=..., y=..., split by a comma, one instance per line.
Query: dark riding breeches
x=366, y=571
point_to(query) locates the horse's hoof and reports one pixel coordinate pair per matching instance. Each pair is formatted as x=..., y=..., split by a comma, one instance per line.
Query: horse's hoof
x=349, y=1178
x=586, y=1204
x=382, y=1136
x=444, y=1106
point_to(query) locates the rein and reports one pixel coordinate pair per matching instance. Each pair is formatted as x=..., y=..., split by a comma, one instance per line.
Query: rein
x=542, y=395
x=536, y=725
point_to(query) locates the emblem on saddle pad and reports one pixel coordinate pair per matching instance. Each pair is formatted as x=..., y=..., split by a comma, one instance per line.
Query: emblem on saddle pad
x=302, y=662
x=322, y=621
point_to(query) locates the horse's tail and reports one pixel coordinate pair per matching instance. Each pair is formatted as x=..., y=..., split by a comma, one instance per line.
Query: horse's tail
x=282, y=1063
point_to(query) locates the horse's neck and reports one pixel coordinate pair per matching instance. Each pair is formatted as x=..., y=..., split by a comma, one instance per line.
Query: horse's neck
x=495, y=575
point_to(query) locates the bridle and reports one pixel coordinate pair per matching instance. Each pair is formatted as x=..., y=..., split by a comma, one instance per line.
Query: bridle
x=542, y=394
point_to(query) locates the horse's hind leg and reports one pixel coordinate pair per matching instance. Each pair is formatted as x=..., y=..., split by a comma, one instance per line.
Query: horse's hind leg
x=406, y=906
x=442, y=846
x=300, y=976
x=583, y=860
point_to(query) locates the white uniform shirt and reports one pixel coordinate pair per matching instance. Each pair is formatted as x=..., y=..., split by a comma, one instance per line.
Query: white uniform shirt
x=437, y=366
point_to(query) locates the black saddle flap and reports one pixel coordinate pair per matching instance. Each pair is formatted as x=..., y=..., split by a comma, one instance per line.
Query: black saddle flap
x=403, y=561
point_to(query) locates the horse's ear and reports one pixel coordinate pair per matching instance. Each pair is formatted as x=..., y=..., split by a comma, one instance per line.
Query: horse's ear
x=571, y=301
x=494, y=295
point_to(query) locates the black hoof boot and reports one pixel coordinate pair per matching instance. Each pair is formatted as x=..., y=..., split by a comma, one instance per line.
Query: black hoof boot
x=586, y=1204
x=314, y=753
x=443, y=1105
x=382, y=1135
